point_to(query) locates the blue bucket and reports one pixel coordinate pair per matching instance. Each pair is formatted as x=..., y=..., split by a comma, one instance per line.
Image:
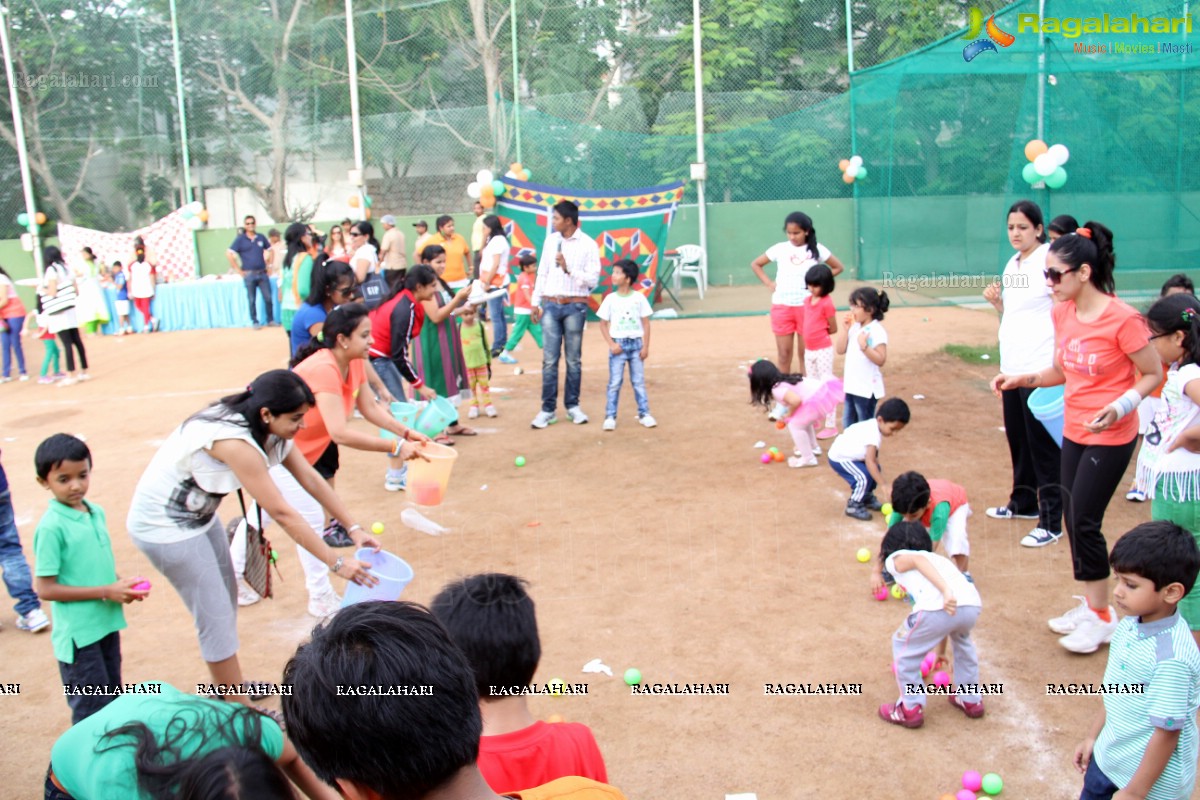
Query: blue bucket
x=1046, y=403
x=393, y=573
x=436, y=417
x=405, y=414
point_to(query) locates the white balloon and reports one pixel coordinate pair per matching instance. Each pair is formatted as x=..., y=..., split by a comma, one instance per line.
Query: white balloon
x=1045, y=164
x=473, y=190
x=510, y=174
x=1060, y=153
x=484, y=176
x=196, y=206
x=852, y=169
x=195, y=223
x=855, y=161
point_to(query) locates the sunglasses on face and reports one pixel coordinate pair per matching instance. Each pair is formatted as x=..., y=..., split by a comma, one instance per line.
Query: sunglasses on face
x=1055, y=276
x=356, y=233
x=345, y=291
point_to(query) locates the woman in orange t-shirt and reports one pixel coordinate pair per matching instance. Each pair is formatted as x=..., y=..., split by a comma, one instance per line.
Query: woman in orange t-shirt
x=335, y=369
x=1100, y=343
x=458, y=268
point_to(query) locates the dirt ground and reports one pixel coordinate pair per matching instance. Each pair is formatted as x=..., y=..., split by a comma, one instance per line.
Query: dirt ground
x=671, y=550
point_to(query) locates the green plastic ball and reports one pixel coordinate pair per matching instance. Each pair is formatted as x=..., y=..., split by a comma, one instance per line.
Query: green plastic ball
x=274, y=556
x=633, y=676
x=519, y=461
x=992, y=783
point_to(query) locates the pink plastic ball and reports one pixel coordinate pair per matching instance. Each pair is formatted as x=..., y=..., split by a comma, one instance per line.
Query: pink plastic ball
x=941, y=679
x=972, y=781
x=965, y=794
x=882, y=593
x=924, y=669
x=765, y=458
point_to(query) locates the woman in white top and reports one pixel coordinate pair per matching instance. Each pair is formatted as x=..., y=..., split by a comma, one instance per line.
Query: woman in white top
x=59, y=297
x=173, y=514
x=789, y=291
x=335, y=247
x=91, y=309
x=493, y=271
x=366, y=250
x=143, y=278
x=1027, y=345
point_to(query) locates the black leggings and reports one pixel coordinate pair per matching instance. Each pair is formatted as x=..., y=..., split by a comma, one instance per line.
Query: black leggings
x=1090, y=476
x=71, y=337
x=1036, y=461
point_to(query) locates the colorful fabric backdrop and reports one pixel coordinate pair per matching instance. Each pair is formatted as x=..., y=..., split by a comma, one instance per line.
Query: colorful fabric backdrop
x=169, y=238
x=625, y=224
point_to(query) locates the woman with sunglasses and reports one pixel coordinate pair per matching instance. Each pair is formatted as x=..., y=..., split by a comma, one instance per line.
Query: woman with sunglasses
x=1099, y=341
x=366, y=250
x=1027, y=345
x=332, y=285
x=336, y=246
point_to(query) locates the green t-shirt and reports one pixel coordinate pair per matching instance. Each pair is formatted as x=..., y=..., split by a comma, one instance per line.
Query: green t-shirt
x=90, y=775
x=74, y=546
x=937, y=520
x=474, y=344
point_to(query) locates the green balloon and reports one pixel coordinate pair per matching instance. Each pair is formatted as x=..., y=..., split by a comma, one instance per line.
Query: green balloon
x=1056, y=179
x=498, y=188
x=991, y=782
x=862, y=174
x=22, y=219
x=367, y=200
x=1030, y=174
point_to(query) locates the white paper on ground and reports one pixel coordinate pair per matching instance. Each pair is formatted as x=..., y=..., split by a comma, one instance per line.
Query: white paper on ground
x=419, y=522
x=596, y=665
x=742, y=796
x=760, y=445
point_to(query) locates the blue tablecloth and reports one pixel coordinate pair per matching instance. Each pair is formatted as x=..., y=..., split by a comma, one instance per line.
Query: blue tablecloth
x=196, y=305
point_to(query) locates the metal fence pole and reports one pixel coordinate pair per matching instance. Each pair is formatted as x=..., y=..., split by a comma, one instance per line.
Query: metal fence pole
x=22, y=153
x=698, y=68
x=188, y=195
x=355, y=118
x=512, y=13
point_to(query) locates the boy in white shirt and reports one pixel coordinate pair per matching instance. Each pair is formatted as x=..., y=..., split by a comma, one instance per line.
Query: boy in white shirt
x=625, y=325
x=855, y=456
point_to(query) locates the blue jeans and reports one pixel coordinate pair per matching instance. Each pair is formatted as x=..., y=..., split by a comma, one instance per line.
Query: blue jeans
x=97, y=664
x=10, y=341
x=631, y=354
x=858, y=409
x=257, y=279
x=1096, y=785
x=495, y=308
x=562, y=329
x=12, y=561
x=389, y=373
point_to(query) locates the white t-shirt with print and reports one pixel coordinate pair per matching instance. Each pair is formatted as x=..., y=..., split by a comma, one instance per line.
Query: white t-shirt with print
x=624, y=314
x=925, y=595
x=496, y=246
x=792, y=264
x=1026, y=326
x=181, y=489
x=860, y=375
x=852, y=443
x=1178, y=470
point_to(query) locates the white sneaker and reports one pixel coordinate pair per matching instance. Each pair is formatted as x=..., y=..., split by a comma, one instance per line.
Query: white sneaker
x=543, y=419
x=1067, y=622
x=647, y=421
x=33, y=622
x=83, y=376
x=324, y=606
x=68, y=381
x=246, y=595
x=795, y=462
x=24, y=378
x=577, y=416
x=610, y=424
x=473, y=412
x=1090, y=632
x=490, y=410
x=1039, y=537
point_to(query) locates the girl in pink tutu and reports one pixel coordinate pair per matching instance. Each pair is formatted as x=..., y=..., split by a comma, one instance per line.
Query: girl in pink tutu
x=797, y=403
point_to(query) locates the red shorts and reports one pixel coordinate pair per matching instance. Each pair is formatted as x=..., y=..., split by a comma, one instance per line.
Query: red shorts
x=786, y=320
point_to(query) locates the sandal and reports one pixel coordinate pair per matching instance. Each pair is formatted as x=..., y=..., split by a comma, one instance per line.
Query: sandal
x=443, y=439
x=463, y=431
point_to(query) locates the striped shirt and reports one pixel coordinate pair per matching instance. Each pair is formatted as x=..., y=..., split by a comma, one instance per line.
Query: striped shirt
x=583, y=267
x=1162, y=657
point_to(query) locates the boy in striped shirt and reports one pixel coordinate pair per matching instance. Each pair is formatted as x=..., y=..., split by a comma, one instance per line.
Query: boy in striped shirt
x=1144, y=744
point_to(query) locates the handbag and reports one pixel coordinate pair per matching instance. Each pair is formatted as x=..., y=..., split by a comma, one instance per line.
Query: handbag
x=65, y=296
x=374, y=289
x=258, y=553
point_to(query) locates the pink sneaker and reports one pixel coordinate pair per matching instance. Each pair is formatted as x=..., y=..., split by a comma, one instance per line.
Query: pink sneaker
x=899, y=714
x=827, y=433
x=45, y=379
x=972, y=710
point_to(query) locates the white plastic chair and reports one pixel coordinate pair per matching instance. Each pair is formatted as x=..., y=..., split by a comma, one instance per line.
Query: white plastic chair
x=692, y=264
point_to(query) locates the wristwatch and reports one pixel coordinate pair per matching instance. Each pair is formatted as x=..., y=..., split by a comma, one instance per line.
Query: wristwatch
x=337, y=565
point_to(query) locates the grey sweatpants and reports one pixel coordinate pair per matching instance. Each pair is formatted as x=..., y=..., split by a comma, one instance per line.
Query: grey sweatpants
x=200, y=570
x=919, y=633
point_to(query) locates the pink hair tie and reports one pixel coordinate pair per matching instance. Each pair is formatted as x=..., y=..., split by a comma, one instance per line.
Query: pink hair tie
x=1086, y=232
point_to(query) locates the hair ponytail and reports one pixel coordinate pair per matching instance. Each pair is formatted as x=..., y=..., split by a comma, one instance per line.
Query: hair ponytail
x=292, y=236
x=805, y=223
x=764, y=376
x=1178, y=312
x=1092, y=245
x=874, y=301
x=342, y=321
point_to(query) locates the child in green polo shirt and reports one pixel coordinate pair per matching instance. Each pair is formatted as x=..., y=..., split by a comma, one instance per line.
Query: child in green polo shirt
x=1144, y=741
x=76, y=572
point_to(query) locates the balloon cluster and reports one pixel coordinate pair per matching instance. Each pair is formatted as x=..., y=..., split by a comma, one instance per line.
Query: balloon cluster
x=486, y=187
x=196, y=214
x=1045, y=164
x=852, y=169
x=366, y=203
x=23, y=219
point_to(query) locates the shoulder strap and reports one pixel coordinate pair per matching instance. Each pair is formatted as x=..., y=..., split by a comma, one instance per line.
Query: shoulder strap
x=257, y=508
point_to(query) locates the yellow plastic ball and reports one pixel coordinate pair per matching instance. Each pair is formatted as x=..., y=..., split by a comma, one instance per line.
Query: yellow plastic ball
x=863, y=555
x=898, y=591
x=377, y=528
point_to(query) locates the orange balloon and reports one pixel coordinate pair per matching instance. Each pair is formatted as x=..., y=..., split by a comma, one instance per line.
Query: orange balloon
x=353, y=201
x=845, y=162
x=515, y=167
x=486, y=192
x=203, y=215
x=847, y=177
x=366, y=213
x=487, y=202
x=41, y=218
x=1035, y=148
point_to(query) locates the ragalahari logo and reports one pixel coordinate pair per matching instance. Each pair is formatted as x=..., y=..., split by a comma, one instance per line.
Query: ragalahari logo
x=995, y=34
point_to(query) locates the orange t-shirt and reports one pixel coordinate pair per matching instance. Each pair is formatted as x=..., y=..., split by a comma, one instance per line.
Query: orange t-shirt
x=323, y=376
x=1094, y=357
x=457, y=252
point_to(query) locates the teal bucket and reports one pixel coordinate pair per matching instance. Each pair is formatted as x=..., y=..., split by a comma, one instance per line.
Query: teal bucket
x=405, y=414
x=435, y=417
x=1046, y=403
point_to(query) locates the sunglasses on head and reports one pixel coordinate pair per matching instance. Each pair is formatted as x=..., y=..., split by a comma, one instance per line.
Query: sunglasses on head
x=1055, y=276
